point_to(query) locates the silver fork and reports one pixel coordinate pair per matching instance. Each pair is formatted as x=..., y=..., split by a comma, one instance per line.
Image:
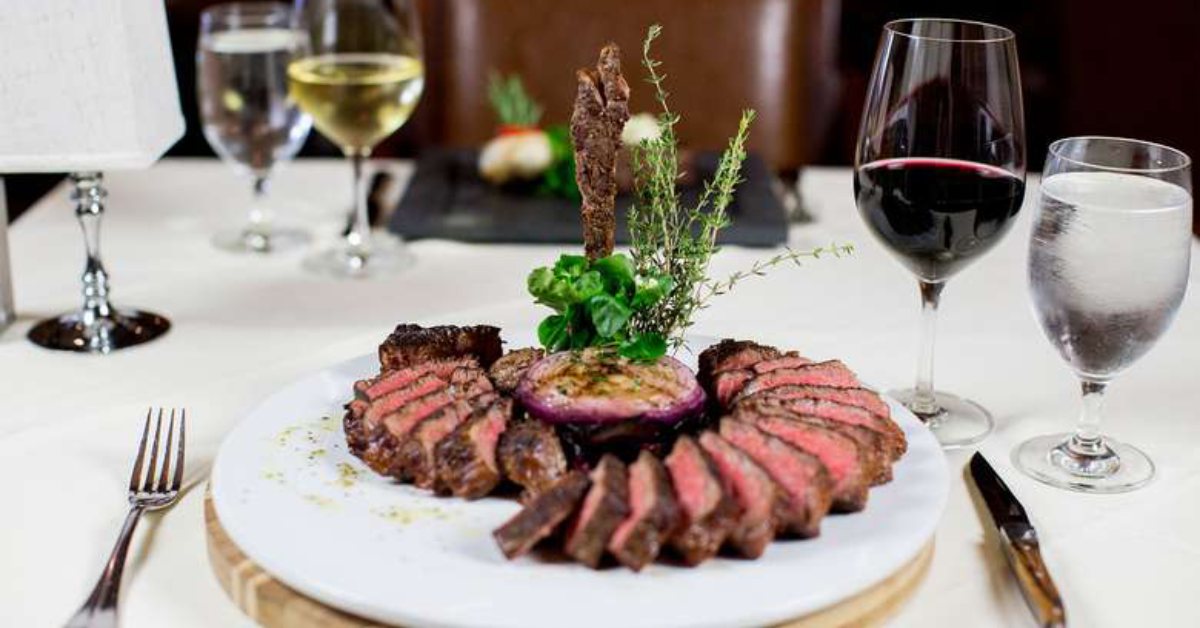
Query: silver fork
x=100, y=609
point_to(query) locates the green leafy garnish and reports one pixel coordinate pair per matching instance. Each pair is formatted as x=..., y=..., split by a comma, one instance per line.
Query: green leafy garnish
x=559, y=178
x=512, y=104
x=594, y=303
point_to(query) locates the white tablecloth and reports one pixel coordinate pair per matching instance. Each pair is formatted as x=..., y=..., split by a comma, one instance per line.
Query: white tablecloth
x=243, y=326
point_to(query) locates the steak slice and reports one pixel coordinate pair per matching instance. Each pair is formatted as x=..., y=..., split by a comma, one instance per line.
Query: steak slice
x=842, y=456
x=830, y=373
x=417, y=453
x=542, y=516
x=604, y=508
x=410, y=345
x=708, y=512
x=727, y=385
x=861, y=397
x=466, y=459
x=891, y=436
x=507, y=372
x=802, y=478
x=785, y=361
x=398, y=399
x=653, y=515
x=730, y=355
x=376, y=387
x=597, y=119
x=531, y=456
x=751, y=488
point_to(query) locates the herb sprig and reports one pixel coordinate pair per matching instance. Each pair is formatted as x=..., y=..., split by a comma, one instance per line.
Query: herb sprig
x=512, y=104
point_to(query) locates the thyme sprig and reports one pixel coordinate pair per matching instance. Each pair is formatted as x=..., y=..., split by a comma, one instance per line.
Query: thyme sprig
x=511, y=103
x=679, y=242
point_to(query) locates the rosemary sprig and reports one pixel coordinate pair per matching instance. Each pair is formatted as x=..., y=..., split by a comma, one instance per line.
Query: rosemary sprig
x=512, y=104
x=679, y=242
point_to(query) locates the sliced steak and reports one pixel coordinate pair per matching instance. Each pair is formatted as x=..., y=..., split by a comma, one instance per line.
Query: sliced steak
x=861, y=397
x=466, y=459
x=542, y=516
x=397, y=399
x=842, y=456
x=417, y=452
x=409, y=345
x=507, y=372
x=804, y=482
x=653, y=515
x=376, y=387
x=785, y=361
x=891, y=436
x=730, y=355
x=604, y=508
x=830, y=373
x=531, y=456
x=727, y=385
x=708, y=512
x=751, y=488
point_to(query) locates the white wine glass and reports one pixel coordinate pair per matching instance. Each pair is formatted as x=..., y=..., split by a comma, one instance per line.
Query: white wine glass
x=360, y=83
x=1108, y=267
x=250, y=121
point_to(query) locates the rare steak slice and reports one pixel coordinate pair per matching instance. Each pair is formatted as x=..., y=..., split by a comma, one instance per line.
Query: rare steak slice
x=397, y=399
x=402, y=422
x=466, y=459
x=842, y=456
x=531, y=456
x=861, y=397
x=732, y=355
x=728, y=385
x=604, y=508
x=542, y=516
x=653, y=515
x=708, y=512
x=830, y=373
x=409, y=345
x=802, y=478
x=507, y=372
x=417, y=459
x=891, y=436
x=376, y=387
x=753, y=490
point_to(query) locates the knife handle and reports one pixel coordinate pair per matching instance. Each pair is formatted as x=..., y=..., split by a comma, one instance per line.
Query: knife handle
x=1037, y=587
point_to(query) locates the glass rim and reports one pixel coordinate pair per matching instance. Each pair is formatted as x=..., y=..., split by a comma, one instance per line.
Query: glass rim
x=1056, y=152
x=1005, y=34
x=251, y=9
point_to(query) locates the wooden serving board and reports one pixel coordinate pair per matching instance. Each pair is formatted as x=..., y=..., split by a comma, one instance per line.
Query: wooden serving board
x=272, y=604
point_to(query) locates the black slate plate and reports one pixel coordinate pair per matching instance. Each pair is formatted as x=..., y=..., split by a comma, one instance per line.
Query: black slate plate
x=447, y=199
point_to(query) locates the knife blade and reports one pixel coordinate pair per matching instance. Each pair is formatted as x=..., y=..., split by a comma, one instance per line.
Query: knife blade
x=1019, y=541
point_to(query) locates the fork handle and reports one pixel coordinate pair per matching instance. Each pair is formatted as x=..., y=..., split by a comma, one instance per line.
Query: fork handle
x=100, y=609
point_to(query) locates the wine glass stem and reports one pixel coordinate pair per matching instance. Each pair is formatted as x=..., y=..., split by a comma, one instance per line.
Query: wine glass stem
x=1087, y=440
x=923, y=403
x=359, y=237
x=258, y=232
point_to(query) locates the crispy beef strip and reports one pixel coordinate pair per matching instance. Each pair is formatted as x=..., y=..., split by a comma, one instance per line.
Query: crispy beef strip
x=542, y=516
x=604, y=508
x=600, y=112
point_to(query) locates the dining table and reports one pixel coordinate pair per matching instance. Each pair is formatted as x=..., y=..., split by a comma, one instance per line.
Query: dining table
x=245, y=325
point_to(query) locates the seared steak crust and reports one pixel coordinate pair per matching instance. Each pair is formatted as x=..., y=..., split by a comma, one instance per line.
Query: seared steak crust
x=708, y=512
x=653, y=517
x=507, y=371
x=417, y=453
x=531, y=456
x=465, y=461
x=604, y=508
x=542, y=516
x=410, y=345
x=599, y=115
x=730, y=355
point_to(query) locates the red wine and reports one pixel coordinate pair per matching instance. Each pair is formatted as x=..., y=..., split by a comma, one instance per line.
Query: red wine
x=937, y=215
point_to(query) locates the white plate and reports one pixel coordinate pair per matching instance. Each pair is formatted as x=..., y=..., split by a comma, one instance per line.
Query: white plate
x=299, y=505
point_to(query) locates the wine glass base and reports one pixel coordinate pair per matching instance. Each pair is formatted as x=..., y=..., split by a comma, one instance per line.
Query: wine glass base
x=388, y=256
x=273, y=240
x=1120, y=469
x=118, y=330
x=959, y=423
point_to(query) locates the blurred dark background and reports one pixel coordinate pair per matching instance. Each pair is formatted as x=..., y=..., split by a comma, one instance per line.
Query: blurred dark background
x=1102, y=67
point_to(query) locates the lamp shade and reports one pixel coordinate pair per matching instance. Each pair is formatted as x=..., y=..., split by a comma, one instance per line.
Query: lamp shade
x=86, y=85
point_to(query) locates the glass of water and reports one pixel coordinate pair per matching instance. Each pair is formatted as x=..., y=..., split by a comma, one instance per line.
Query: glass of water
x=250, y=121
x=1108, y=268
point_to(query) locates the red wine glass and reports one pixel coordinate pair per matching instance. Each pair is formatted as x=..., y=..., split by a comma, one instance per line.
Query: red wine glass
x=940, y=174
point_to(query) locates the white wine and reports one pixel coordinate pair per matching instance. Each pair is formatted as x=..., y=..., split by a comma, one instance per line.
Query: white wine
x=357, y=99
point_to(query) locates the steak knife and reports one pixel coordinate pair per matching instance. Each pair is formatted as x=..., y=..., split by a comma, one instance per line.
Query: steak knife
x=1020, y=543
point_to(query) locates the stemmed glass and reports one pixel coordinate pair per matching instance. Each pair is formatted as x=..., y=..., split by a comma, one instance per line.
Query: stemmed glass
x=940, y=173
x=241, y=82
x=361, y=82
x=1108, y=268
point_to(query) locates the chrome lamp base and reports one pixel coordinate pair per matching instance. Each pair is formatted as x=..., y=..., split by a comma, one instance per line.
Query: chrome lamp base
x=97, y=327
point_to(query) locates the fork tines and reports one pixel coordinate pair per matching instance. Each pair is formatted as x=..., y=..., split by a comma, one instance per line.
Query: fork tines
x=170, y=460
